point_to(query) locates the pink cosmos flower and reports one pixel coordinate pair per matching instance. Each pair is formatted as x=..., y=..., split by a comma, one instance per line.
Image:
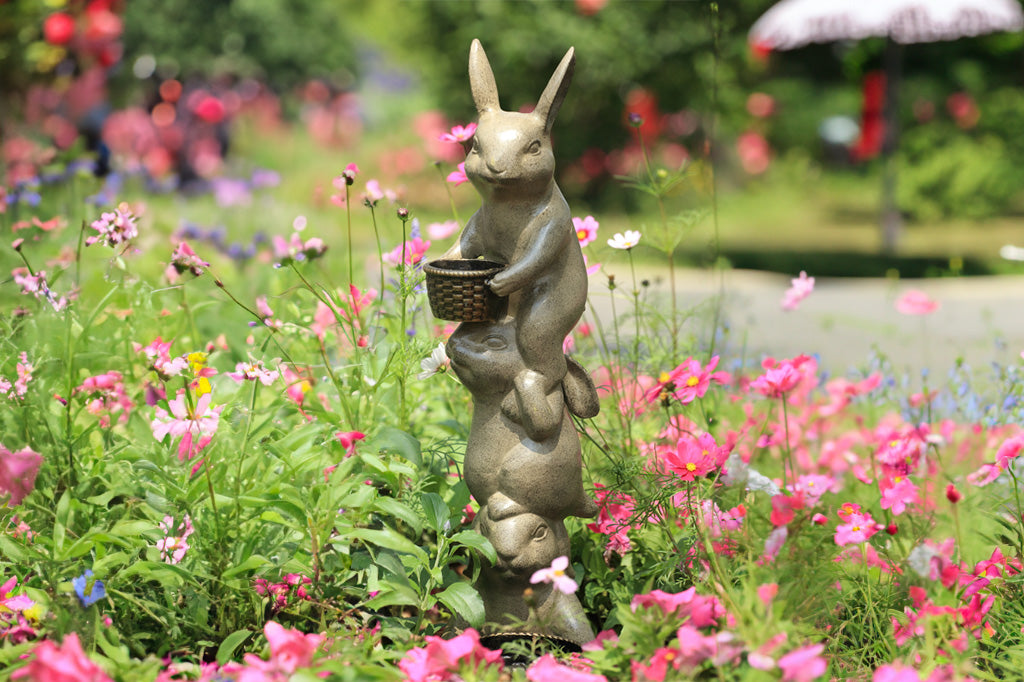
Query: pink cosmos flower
x=440, y=660
x=801, y=288
x=803, y=664
x=64, y=663
x=414, y=250
x=687, y=382
x=916, y=302
x=289, y=651
x=780, y=379
x=442, y=230
x=547, y=669
x=556, y=576
x=586, y=229
x=194, y=425
x=692, y=458
x=459, y=133
x=897, y=493
x=18, y=471
x=895, y=673
x=858, y=528
x=457, y=177
x=813, y=486
x=24, y=369
x=698, y=610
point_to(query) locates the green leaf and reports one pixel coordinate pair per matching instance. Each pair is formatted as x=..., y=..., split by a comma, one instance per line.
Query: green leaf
x=392, y=507
x=470, y=538
x=462, y=599
x=60, y=522
x=395, y=440
x=436, y=511
x=250, y=564
x=392, y=594
x=227, y=648
x=389, y=539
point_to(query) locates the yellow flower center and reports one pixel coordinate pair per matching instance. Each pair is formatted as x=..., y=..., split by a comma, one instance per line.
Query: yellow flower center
x=664, y=378
x=690, y=466
x=581, y=234
x=692, y=381
x=856, y=529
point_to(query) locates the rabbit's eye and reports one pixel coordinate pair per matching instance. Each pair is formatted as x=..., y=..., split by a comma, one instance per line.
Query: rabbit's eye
x=534, y=147
x=495, y=342
x=540, y=533
x=474, y=147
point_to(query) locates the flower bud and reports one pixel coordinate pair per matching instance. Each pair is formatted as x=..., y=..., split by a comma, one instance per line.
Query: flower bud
x=952, y=494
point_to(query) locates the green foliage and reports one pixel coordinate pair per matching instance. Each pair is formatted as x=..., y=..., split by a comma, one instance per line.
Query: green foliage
x=945, y=173
x=283, y=43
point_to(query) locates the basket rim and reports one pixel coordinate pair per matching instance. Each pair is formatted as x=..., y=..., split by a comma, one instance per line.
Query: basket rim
x=434, y=268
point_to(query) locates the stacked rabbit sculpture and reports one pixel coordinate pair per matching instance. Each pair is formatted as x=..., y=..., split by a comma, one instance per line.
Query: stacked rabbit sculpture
x=523, y=459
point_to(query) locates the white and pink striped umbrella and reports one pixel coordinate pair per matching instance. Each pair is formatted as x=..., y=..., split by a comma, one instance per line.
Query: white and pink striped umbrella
x=795, y=23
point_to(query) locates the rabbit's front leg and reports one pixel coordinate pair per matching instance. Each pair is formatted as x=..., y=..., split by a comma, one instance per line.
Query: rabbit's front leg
x=468, y=244
x=547, y=243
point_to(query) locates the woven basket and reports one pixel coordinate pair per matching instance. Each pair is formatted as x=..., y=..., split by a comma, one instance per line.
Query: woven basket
x=458, y=290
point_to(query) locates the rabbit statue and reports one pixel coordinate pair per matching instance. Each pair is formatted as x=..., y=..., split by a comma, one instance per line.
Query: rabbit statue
x=526, y=542
x=524, y=222
x=538, y=468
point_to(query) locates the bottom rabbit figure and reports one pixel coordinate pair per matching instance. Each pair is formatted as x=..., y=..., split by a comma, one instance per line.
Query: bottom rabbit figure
x=526, y=543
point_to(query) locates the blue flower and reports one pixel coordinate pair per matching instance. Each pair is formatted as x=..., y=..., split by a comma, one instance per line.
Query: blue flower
x=89, y=590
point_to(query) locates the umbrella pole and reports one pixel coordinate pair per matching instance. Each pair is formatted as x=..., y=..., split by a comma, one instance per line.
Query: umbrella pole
x=892, y=221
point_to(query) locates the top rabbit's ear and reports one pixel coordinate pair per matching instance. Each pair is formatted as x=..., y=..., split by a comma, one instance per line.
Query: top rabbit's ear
x=481, y=79
x=554, y=94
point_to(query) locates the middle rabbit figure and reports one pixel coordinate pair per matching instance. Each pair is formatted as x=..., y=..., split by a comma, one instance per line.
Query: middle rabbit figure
x=525, y=223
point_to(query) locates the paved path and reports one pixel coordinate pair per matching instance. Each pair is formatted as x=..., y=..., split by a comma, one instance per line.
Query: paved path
x=844, y=318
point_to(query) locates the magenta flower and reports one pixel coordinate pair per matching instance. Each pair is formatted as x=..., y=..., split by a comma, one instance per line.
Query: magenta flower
x=687, y=382
x=897, y=493
x=692, y=458
x=780, y=379
x=457, y=177
x=547, y=669
x=895, y=673
x=801, y=288
x=18, y=471
x=64, y=663
x=556, y=575
x=586, y=229
x=916, y=302
x=414, y=249
x=858, y=528
x=459, y=133
x=440, y=660
x=158, y=353
x=698, y=610
x=803, y=664
x=289, y=651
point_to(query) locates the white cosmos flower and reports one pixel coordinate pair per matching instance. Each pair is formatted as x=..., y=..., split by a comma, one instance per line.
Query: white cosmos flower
x=435, y=363
x=624, y=241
